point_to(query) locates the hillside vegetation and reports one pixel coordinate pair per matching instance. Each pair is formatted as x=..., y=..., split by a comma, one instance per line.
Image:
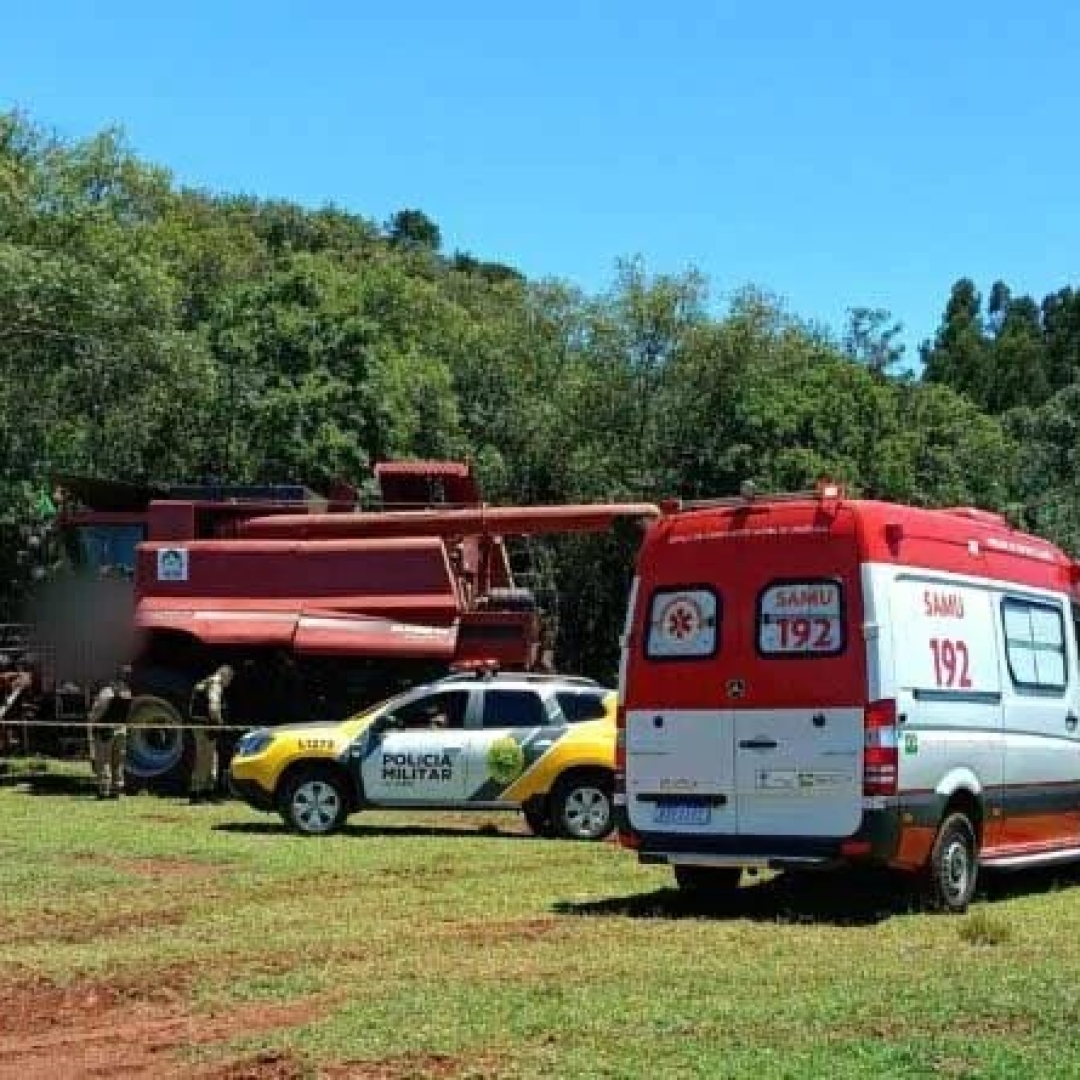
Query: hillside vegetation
x=147, y=330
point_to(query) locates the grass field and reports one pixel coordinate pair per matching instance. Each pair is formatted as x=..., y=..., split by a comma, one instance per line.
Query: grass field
x=152, y=939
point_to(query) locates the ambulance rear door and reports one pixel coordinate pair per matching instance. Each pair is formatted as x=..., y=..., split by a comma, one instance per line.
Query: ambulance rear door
x=797, y=689
x=680, y=775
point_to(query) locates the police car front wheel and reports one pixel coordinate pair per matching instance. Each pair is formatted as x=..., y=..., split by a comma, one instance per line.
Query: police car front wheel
x=315, y=802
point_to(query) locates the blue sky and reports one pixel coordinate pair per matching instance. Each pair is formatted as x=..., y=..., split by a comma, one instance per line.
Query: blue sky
x=837, y=153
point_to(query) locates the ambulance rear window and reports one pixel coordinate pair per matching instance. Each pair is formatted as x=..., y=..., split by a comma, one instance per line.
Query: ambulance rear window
x=802, y=618
x=684, y=624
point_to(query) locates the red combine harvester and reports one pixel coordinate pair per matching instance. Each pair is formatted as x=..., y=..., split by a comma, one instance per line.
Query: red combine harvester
x=321, y=608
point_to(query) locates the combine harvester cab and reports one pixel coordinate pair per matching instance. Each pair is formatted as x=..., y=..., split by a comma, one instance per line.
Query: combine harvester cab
x=80, y=618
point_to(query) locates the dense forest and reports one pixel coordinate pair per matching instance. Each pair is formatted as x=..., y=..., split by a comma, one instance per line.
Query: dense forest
x=151, y=331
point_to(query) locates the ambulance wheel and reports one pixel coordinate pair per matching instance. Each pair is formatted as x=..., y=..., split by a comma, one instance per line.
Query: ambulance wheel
x=703, y=880
x=953, y=867
x=582, y=806
x=537, y=817
x=314, y=801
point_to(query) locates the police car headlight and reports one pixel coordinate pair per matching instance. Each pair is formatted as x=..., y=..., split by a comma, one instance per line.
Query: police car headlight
x=254, y=742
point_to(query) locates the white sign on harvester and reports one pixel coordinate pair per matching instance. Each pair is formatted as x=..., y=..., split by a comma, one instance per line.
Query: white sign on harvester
x=172, y=564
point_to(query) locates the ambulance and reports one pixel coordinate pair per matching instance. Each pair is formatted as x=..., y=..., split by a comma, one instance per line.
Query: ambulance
x=817, y=682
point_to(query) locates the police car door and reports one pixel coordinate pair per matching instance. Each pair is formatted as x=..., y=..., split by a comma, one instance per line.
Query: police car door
x=511, y=730
x=416, y=758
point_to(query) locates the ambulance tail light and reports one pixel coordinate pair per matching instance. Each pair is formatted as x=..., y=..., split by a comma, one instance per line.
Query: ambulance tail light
x=880, y=755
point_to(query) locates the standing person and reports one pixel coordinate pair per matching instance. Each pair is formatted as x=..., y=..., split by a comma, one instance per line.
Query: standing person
x=207, y=713
x=108, y=734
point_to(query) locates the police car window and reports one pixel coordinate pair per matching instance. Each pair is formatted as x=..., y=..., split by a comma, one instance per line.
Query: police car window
x=579, y=705
x=513, y=708
x=684, y=624
x=435, y=711
x=801, y=618
x=1035, y=645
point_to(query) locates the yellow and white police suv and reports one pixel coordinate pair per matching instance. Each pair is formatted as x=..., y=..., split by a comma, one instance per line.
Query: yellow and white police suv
x=541, y=743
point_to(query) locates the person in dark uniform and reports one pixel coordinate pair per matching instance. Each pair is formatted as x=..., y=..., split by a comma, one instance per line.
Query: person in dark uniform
x=107, y=725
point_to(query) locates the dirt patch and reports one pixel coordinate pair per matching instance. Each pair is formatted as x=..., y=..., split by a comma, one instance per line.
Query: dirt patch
x=282, y=1065
x=36, y=1004
x=416, y=1066
x=64, y=927
x=490, y=933
x=155, y=869
x=136, y=1029
x=269, y=1065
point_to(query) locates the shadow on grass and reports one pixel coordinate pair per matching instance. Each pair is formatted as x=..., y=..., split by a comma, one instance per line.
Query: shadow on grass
x=50, y=784
x=833, y=899
x=60, y=784
x=267, y=828
x=853, y=899
x=997, y=887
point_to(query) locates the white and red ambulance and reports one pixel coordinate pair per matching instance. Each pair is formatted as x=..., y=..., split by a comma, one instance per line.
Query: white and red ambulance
x=816, y=682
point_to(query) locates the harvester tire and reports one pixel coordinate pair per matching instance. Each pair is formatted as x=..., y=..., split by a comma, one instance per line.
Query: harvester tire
x=160, y=755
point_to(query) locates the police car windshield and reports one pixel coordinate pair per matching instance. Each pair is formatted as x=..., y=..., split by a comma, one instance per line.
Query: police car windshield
x=390, y=704
x=371, y=710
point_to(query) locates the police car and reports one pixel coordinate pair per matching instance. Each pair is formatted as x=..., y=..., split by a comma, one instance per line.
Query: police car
x=541, y=743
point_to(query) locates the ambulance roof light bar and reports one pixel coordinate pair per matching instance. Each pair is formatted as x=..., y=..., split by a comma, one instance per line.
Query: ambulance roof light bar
x=825, y=491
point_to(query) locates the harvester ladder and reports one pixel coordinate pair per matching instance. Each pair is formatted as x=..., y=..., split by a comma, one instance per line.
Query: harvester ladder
x=533, y=565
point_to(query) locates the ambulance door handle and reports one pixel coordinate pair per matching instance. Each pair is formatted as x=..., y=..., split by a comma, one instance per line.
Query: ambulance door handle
x=757, y=744
x=1070, y=721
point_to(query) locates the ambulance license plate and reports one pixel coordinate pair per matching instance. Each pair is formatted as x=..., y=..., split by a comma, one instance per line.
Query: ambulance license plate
x=682, y=813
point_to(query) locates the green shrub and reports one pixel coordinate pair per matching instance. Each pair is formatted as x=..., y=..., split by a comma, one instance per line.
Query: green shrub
x=983, y=928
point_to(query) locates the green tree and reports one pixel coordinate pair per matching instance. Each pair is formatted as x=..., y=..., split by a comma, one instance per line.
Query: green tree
x=1017, y=369
x=871, y=339
x=1049, y=463
x=413, y=230
x=1061, y=329
x=92, y=356
x=959, y=356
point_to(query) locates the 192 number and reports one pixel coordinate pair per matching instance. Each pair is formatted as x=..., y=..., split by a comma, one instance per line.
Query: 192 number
x=805, y=633
x=952, y=666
